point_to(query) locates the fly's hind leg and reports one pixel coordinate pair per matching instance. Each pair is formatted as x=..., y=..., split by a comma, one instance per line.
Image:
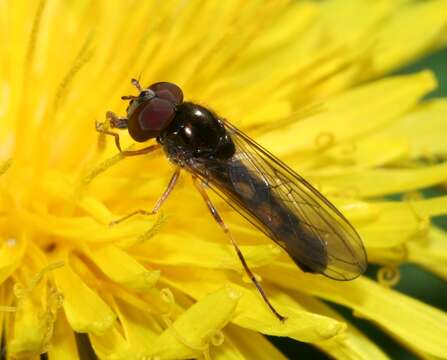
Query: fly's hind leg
x=157, y=205
x=199, y=184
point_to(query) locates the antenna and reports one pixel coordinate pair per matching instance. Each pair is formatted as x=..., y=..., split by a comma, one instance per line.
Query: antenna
x=136, y=83
x=129, y=97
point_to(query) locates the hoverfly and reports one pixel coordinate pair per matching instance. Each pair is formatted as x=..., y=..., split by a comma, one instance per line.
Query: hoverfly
x=268, y=193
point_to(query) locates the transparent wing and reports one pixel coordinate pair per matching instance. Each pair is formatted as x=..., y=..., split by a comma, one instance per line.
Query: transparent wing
x=286, y=208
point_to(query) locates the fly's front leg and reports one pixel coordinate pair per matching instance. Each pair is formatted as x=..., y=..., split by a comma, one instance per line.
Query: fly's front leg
x=157, y=205
x=199, y=184
x=112, y=121
x=116, y=122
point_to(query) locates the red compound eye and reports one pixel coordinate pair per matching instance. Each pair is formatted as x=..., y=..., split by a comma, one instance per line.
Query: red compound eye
x=168, y=91
x=150, y=118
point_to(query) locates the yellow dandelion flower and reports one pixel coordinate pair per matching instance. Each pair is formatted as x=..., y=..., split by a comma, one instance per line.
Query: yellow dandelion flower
x=308, y=80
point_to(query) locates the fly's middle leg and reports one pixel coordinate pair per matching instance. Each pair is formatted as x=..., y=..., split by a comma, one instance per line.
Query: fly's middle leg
x=157, y=205
x=218, y=218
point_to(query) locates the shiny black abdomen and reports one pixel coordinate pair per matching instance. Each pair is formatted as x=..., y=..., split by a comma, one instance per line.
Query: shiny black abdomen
x=258, y=198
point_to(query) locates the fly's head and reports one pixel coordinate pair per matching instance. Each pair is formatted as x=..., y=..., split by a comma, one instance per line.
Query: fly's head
x=151, y=112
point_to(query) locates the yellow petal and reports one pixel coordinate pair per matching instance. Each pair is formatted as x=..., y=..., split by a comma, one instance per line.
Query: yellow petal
x=252, y=312
x=11, y=254
x=359, y=212
x=352, y=114
x=85, y=310
x=243, y=344
x=429, y=207
x=96, y=208
x=430, y=253
x=353, y=29
x=112, y=345
x=36, y=309
x=300, y=324
x=138, y=325
x=378, y=182
x=357, y=154
x=374, y=302
x=7, y=300
x=188, y=250
x=423, y=128
x=352, y=344
x=295, y=20
x=63, y=343
x=85, y=228
x=123, y=268
x=189, y=335
x=393, y=222
x=425, y=25
x=30, y=335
